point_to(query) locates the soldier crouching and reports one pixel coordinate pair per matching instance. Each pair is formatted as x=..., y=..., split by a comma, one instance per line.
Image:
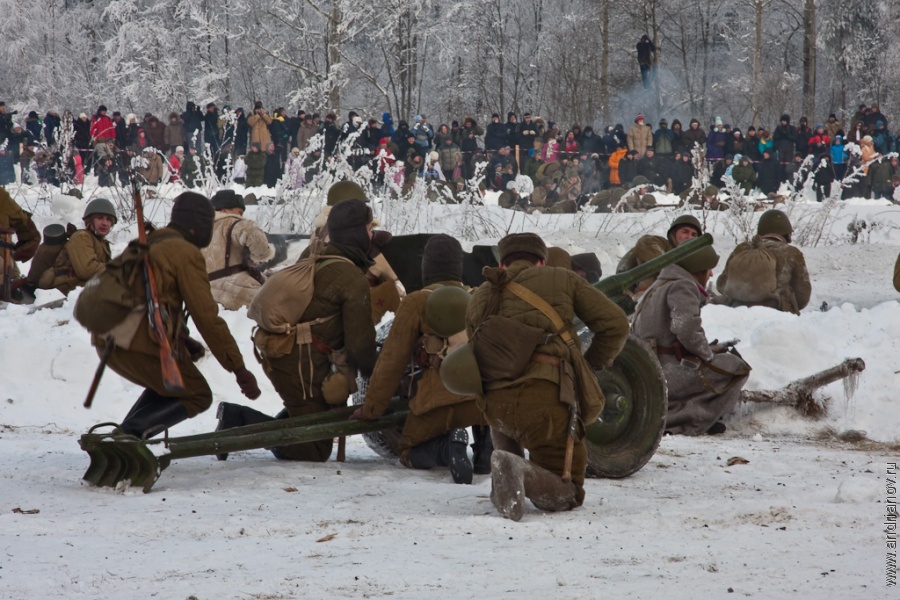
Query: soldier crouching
x=704, y=382
x=181, y=280
x=529, y=411
x=434, y=433
x=339, y=319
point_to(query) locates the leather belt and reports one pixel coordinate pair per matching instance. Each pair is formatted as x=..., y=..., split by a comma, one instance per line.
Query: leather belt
x=545, y=359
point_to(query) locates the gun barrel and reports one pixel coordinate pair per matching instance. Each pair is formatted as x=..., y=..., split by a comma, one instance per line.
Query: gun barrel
x=617, y=284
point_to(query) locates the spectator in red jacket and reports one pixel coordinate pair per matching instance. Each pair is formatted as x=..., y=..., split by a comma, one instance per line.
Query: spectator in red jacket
x=103, y=129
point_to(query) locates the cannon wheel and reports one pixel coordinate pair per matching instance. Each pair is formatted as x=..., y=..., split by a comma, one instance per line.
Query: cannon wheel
x=628, y=432
x=385, y=443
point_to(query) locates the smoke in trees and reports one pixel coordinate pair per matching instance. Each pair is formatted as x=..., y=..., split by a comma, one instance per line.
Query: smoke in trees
x=572, y=60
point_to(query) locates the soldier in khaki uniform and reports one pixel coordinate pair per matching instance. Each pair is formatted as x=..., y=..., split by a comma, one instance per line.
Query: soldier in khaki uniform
x=181, y=280
x=704, y=382
x=386, y=288
x=526, y=412
x=15, y=221
x=237, y=246
x=434, y=433
x=85, y=254
x=792, y=285
x=648, y=247
x=341, y=302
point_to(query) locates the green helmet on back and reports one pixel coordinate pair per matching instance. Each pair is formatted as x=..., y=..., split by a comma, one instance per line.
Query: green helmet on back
x=774, y=221
x=459, y=372
x=445, y=310
x=703, y=259
x=100, y=206
x=640, y=180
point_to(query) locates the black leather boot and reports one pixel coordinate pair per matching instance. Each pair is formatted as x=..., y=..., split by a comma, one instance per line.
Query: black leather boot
x=151, y=418
x=458, y=457
x=236, y=415
x=147, y=398
x=448, y=450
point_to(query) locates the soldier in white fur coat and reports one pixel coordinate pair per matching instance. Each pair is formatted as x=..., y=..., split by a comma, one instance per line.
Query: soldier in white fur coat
x=237, y=246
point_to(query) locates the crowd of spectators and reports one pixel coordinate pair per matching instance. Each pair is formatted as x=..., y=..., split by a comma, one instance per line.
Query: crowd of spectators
x=263, y=148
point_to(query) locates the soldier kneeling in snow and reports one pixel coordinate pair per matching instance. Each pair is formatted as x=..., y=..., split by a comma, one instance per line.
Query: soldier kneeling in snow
x=704, y=381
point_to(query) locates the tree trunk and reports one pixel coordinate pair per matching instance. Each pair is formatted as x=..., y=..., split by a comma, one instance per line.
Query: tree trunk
x=606, y=113
x=334, y=56
x=758, y=6
x=809, y=59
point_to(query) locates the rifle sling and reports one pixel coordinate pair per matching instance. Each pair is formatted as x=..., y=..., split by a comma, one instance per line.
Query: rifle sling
x=228, y=271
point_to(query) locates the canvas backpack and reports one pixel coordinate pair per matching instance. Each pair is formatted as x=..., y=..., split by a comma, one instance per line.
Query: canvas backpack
x=42, y=272
x=280, y=303
x=752, y=276
x=114, y=301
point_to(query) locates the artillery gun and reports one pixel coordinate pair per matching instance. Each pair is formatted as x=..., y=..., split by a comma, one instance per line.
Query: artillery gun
x=620, y=443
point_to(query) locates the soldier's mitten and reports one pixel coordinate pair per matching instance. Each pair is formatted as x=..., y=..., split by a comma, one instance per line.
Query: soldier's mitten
x=247, y=382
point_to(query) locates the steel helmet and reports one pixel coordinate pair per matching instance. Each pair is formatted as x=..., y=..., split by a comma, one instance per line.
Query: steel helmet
x=774, y=221
x=100, y=206
x=345, y=190
x=682, y=221
x=701, y=260
x=460, y=374
x=445, y=310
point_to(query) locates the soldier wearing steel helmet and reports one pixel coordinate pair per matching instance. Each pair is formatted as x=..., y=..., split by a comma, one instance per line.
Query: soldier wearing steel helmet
x=87, y=251
x=790, y=277
x=703, y=381
x=648, y=247
x=429, y=324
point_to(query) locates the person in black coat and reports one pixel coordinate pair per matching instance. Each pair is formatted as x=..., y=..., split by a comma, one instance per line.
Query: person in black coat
x=211, y=128
x=272, y=168
x=82, y=140
x=591, y=144
x=331, y=134
x=512, y=126
x=241, y=132
x=769, y=174
x=121, y=130
x=495, y=136
x=401, y=133
x=681, y=172
x=650, y=167
x=192, y=119
x=628, y=168
x=784, y=139
x=470, y=151
x=52, y=123
x=6, y=122
x=823, y=176
x=34, y=125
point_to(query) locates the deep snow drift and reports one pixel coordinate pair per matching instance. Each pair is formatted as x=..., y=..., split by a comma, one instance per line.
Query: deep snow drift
x=804, y=518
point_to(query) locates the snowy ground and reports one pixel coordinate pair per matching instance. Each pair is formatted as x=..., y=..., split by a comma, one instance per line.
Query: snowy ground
x=805, y=517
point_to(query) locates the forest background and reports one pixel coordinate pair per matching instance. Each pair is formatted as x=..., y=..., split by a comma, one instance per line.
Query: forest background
x=573, y=61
